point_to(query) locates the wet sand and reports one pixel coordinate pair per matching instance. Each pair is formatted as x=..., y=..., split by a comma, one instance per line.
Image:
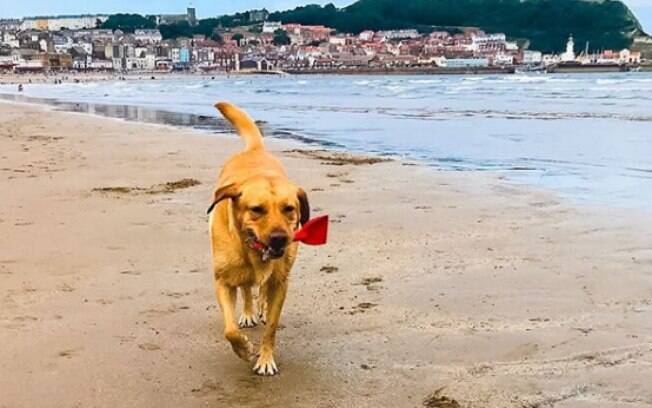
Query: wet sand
x=441, y=289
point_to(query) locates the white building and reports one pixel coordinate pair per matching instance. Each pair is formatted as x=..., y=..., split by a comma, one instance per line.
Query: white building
x=532, y=57
x=9, y=39
x=466, y=62
x=569, y=54
x=150, y=36
x=550, y=59
x=57, y=23
x=271, y=26
x=337, y=40
x=503, y=59
x=488, y=41
x=102, y=64
x=397, y=34
x=367, y=35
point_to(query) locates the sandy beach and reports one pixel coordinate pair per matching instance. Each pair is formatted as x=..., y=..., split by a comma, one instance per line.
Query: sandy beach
x=443, y=289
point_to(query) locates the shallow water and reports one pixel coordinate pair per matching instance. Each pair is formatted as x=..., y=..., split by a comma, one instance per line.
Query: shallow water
x=588, y=137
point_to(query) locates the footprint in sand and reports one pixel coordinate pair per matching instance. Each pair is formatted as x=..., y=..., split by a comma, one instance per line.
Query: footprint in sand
x=361, y=308
x=328, y=269
x=207, y=388
x=149, y=346
x=371, y=283
x=70, y=353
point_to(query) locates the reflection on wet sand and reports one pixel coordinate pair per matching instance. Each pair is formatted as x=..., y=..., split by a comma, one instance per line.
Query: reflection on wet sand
x=162, y=117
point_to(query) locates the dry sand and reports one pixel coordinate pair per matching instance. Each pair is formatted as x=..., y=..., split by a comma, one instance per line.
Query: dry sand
x=443, y=289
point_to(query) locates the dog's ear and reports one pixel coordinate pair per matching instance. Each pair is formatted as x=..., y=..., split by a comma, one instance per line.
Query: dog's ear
x=229, y=191
x=304, y=206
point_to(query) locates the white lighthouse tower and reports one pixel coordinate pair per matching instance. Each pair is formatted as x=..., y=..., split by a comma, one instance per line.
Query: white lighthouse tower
x=569, y=55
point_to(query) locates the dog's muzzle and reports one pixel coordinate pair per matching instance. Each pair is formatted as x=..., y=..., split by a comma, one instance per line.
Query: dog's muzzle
x=275, y=249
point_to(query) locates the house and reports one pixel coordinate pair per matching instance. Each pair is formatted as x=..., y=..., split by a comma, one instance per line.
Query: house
x=397, y=34
x=148, y=36
x=8, y=62
x=101, y=65
x=9, y=39
x=10, y=24
x=56, y=23
x=366, y=35
x=503, y=59
x=629, y=57
x=80, y=58
x=467, y=63
x=271, y=26
x=255, y=64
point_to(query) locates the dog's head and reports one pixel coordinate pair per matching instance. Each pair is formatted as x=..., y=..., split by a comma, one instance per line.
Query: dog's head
x=266, y=211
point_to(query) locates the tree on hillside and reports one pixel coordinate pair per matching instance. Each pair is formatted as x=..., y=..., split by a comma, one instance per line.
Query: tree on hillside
x=547, y=23
x=217, y=37
x=176, y=30
x=128, y=22
x=281, y=38
x=237, y=37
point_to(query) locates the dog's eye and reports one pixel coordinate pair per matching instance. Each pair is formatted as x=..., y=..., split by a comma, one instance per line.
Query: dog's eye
x=257, y=209
x=288, y=209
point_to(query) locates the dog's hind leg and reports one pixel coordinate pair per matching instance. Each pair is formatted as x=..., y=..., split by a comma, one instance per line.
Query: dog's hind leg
x=226, y=297
x=276, y=290
x=248, y=316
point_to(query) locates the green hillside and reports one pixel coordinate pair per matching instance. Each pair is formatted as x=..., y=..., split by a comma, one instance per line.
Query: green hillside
x=606, y=24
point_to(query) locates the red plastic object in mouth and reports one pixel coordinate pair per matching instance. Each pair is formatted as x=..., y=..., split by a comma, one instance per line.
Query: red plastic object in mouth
x=313, y=232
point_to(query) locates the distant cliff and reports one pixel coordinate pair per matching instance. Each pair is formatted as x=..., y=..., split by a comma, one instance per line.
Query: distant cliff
x=606, y=24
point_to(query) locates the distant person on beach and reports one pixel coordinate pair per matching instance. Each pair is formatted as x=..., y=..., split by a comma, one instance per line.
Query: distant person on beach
x=20, y=87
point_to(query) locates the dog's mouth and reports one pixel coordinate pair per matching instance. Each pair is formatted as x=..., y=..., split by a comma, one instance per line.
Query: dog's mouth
x=267, y=252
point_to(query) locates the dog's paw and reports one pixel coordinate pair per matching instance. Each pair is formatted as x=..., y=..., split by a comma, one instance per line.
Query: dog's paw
x=247, y=321
x=242, y=347
x=265, y=365
x=262, y=318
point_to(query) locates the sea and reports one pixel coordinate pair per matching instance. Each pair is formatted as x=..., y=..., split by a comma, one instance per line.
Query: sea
x=588, y=137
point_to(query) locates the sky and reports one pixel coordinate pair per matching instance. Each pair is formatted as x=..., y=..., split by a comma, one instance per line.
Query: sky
x=205, y=8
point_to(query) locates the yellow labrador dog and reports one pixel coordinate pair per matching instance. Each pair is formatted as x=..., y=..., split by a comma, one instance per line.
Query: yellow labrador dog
x=255, y=212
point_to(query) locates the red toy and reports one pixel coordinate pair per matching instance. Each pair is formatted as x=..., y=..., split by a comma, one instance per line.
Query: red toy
x=313, y=232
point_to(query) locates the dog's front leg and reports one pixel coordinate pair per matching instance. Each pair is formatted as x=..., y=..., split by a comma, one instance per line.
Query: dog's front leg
x=226, y=297
x=248, y=316
x=275, y=290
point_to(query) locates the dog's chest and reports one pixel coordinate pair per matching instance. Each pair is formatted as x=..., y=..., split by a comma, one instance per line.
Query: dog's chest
x=250, y=274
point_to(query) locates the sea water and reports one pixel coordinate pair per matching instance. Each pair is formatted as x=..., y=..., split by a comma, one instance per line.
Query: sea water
x=586, y=136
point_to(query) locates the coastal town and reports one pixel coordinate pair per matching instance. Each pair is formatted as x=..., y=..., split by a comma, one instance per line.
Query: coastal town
x=260, y=45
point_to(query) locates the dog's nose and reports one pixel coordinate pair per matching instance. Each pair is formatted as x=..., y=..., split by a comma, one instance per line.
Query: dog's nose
x=278, y=240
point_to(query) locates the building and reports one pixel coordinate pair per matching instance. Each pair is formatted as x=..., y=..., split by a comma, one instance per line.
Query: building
x=367, y=35
x=190, y=17
x=488, y=42
x=397, y=34
x=148, y=36
x=467, y=63
x=629, y=57
x=271, y=26
x=255, y=64
x=256, y=16
x=56, y=23
x=532, y=57
x=9, y=39
x=569, y=54
x=10, y=24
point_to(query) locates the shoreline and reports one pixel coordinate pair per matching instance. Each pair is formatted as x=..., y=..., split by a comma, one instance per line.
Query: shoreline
x=293, y=139
x=502, y=295
x=83, y=77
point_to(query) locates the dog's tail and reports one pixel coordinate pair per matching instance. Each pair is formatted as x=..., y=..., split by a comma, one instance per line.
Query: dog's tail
x=243, y=124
